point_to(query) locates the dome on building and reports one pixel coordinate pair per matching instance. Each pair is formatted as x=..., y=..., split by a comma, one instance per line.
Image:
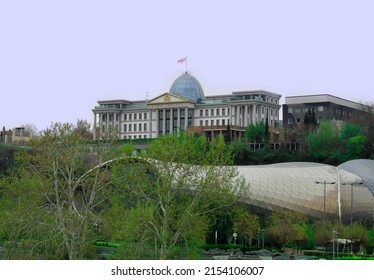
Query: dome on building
x=187, y=86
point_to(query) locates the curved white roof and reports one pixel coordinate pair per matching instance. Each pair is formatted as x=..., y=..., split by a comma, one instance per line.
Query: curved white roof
x=301, y=186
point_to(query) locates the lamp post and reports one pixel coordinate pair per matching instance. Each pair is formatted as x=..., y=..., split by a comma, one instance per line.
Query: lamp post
x=263, y=238
x=235, y=235
x=334, y=232
x=352, y=183
x=324, y=196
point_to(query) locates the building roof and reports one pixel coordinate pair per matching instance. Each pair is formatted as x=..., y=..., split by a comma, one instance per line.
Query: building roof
x=293, y=186
x=319, y=98
x=188, y=86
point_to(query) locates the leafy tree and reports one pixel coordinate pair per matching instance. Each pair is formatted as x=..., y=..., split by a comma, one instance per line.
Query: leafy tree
x=53, y=205
x=323, y=141
x=255, y=133
x=286, y=226
x=246, y=224
x=358, y=233
x=169, y=192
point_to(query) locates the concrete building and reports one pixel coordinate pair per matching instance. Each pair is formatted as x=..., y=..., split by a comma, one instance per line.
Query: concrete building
x=16, y=135
x=185, y=107
x=325, y=106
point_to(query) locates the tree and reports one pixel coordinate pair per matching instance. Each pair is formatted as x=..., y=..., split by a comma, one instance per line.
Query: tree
x=246, y=224
x=166, y=195
x=357, y=233
x=255, y=133
x=286, y=226
x=53, y=205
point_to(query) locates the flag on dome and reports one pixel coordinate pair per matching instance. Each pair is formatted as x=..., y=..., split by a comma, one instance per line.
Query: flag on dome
x=182, y=60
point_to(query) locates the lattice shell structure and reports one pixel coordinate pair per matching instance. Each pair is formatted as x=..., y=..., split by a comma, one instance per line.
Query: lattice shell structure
x=293, y=186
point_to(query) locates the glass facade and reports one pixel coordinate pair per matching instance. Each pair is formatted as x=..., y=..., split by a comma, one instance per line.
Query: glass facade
x=188, y=86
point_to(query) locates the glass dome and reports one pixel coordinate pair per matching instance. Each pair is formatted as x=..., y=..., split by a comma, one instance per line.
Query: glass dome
x=187, y=86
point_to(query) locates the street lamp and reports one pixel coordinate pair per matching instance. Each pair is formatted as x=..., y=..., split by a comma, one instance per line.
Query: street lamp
x=334, y=232
x=324, y=196
x=352, y=183
x=235, y=235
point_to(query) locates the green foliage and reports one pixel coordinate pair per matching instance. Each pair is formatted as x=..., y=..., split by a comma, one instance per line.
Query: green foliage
x=286, y=226
x=52, y=203
x=246, y=224
x=167, y=194
x=255, y=133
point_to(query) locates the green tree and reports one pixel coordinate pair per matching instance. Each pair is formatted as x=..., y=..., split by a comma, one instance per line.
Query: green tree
x=171, y=190
x=358, y=233
x=246, y=224
x=286, y=226
x=322, y=142
x=255, y=133
x=53, y=205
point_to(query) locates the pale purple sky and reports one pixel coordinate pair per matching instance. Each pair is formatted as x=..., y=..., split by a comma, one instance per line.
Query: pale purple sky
x=57, y=58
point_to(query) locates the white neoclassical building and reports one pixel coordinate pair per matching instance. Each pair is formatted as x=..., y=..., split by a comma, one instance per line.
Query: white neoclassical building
x=185, y=107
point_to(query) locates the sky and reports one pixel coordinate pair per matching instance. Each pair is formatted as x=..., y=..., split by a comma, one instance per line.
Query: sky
x=58, y=58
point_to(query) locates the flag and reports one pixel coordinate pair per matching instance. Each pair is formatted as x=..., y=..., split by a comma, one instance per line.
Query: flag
x=182, y=60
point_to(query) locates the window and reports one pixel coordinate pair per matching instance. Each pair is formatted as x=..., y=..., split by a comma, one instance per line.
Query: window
x=134, y=126
x=125, y=117
x=211, y=122
x=140, y=127
x=134, y=136
x=130, y=129
x=201, y=113
x=145, y=126
x=217, y=122
x=290, y=110
x=201, y=123
x=135, y=116
x=212, y=112
x=223, y=122
x=140, y=137
x=262, y=110
x=144, y=136
x=223, y=111
x=145, y=116
x=290, y=121
x=140, y=116
x=116, y=117
x=125, y=127
x=206, y=123
x=206, y=113
x=320, y=108
x=130, y=117
x=217, y=112
x=297, y=110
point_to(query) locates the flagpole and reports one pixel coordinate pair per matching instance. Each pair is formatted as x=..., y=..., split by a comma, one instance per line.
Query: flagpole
x=186, y=64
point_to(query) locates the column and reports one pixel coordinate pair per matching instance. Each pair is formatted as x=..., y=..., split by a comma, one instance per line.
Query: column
x=245, y=115
x=253, y=114
x=179, y=119
x=163, y=121
x=150, y=123
x=94, y=127
x=157, y=121
x=186, y=118
x=100, y=126
x=237, y=115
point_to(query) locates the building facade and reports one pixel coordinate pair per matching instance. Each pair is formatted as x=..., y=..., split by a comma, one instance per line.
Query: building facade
x=325, y=106
x=185, y=107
